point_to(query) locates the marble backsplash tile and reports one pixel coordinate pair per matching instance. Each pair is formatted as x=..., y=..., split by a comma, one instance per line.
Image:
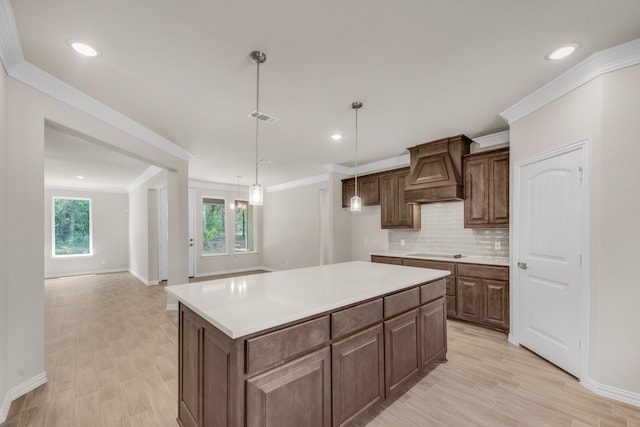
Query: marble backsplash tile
x=443, y=232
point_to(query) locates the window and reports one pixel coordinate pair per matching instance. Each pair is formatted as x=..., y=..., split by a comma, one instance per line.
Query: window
x=243, y=226
x=214, y=239
x=72, y=230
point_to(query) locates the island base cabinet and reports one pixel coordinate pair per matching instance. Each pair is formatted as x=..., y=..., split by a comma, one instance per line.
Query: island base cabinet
x=433, y=325
x=358, y=374
x=402, y=356
x=292, y=395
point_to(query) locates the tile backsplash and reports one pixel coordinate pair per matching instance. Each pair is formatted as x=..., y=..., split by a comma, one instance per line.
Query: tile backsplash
x=443, y=232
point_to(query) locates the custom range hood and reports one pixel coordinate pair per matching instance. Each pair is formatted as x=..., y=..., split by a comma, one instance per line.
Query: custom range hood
x=436, y=171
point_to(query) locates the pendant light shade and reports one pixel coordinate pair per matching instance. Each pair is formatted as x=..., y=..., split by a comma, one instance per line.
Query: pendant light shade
x=356, y=202
x=256, y=192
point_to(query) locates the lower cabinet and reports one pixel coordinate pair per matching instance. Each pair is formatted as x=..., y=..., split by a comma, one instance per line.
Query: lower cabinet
x=402, y=355
x=358, y=374
x=433, y=324
x=292, y=395
x=483, y=295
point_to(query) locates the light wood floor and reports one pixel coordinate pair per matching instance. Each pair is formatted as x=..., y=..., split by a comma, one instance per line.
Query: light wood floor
x=111, y=360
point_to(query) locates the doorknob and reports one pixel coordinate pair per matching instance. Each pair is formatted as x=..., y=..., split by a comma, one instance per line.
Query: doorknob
x=522, y=265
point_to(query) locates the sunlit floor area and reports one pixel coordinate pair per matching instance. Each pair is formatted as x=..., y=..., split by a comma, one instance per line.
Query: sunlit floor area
x=111, y=360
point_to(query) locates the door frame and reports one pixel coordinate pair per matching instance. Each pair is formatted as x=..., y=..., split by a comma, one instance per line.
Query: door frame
x=514, y=330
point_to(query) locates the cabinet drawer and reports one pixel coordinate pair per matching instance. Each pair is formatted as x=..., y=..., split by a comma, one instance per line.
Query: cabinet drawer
x=432, y=291
x=438, y=265
x=401, y=302
x=269, y=349
x=483, y=271
x=354, y=318
x=386, y=259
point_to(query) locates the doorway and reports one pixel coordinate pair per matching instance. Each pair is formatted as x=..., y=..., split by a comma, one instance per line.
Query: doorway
x=550, y=279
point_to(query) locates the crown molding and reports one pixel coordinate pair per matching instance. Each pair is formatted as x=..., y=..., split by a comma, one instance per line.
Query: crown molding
x=498, y=138
x=10, y=47
x=298, y=183
x=605, y=61
x=218, y=186
x=378, y=166
x=144, y=177
x=334, y=167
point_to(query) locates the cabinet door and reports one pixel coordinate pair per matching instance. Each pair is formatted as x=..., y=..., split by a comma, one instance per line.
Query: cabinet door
x=470, y=294
x=499, y=189
x=497, y=303
x=388, y=200
x=190, y=371
x=358, y=374
x=401, y=352
x=292, y=395
x=433, y=332
x=476, y=191
x=368, y=190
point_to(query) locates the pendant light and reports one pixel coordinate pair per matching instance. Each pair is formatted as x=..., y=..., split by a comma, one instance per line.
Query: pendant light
x=356, y=202
x=256, y=192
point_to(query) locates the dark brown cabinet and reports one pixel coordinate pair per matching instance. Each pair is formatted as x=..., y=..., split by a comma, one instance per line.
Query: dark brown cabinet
x=358, y=374
x=292, y=395
x=395, y=212
x=486, y=201
x=452, y=308
x=368, y=190
x=483, y=295
x=402, y=355
x=433, y=324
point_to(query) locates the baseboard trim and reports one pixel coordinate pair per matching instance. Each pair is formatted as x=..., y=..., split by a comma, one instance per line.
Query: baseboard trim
x=20, y=390
x=144, y=280
x=611, y=392
x=85, y=273
x=172, y=307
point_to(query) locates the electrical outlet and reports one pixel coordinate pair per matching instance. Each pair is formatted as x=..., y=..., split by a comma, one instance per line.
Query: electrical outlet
x=498, y=246
x=401, y=242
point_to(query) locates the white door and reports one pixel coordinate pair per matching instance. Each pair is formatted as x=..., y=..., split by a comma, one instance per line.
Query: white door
x=549, y=259
x=192, y=233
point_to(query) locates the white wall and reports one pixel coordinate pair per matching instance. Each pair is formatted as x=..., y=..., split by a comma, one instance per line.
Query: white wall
x=143, y=210
x=4, y=309
x=292, y=227
x=110, y=234
x=604, y=111
x=367, y=236
x=207, y=265
x=27, y=111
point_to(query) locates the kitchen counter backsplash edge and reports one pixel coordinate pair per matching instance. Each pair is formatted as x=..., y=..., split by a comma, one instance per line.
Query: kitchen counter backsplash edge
x=471, y=259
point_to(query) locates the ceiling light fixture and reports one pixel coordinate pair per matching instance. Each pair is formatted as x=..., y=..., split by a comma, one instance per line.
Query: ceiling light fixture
x=563, y=51
x=336, y=137
x=79, y=177
x=356, y=202
x=256, y=192
x=83, y=48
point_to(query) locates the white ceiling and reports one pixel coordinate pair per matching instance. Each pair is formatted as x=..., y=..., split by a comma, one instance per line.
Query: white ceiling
x=424, y=69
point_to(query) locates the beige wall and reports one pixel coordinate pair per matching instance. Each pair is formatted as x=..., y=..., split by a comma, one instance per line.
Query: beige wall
x=604, y=111
x=4, y=310
x=27, y=111
x=143, y=227
x=367, y=236
x=215, y=264
x=110, y=235
x=292, y=227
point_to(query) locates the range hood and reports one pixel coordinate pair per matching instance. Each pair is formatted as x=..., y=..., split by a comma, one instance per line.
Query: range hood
x=436, y=171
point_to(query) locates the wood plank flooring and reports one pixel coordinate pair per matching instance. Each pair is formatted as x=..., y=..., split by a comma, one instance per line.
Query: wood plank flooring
x=111, y=360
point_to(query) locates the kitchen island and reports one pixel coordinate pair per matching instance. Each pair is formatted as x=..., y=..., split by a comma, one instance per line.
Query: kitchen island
x=318, y=346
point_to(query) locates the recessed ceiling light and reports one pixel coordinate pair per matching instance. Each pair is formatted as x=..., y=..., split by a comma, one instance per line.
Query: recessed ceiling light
x=336, y=137
x=79, y=177
x=83, y=49
x=563, y=51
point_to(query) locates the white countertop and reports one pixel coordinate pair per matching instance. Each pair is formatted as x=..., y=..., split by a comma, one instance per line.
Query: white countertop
x=240, y=306
x=465, y=259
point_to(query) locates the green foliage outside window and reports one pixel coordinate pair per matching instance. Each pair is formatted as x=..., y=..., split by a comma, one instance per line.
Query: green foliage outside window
x=72, y=219
x=243, y=226
x=213, y=228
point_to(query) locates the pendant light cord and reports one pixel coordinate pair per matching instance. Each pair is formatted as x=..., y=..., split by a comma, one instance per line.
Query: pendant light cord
x=356, y=182
x=257, y=113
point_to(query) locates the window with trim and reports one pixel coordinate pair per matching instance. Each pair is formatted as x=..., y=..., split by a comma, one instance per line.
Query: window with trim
x=72, y=226
x=243, y=227
x=214, y=240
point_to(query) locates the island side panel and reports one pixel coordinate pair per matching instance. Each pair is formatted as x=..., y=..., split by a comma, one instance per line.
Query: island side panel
x=211, y=380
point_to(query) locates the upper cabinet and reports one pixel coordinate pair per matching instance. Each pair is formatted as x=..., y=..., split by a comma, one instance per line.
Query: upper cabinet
x=368, y=190
x=436, y=170
x=395, y=212
x=486, y=186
